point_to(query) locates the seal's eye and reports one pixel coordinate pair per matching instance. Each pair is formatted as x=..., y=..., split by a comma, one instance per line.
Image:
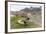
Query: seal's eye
x=27, y=18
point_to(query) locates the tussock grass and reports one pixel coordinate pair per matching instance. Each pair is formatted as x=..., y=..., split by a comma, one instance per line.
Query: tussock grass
x=16, y=25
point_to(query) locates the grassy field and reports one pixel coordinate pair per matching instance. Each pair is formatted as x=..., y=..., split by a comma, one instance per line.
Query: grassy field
x=16, y=25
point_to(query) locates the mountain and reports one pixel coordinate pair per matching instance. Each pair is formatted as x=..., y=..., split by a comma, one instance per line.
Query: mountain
x=31, y=10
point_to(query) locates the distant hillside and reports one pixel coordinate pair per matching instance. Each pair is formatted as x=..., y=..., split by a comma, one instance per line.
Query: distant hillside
x=32, y=10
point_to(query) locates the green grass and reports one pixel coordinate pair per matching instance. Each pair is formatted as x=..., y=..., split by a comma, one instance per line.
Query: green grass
x=16, y=25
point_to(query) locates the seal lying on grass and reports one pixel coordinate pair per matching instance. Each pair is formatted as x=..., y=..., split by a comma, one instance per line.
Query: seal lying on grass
x=24, y=21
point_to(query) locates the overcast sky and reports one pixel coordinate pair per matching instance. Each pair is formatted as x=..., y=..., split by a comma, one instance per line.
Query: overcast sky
x=17, y=7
